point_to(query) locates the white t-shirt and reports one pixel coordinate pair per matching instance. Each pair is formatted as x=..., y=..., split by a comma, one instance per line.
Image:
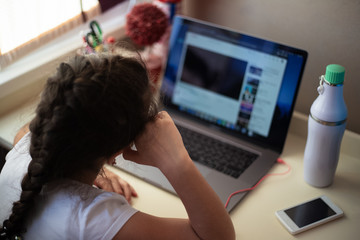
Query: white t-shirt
x=64, y=210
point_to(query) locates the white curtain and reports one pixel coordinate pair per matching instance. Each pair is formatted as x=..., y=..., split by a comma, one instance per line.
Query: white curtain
x=28, y=24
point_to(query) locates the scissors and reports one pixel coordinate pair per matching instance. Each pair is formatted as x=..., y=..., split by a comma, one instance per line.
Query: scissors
x=94, y=37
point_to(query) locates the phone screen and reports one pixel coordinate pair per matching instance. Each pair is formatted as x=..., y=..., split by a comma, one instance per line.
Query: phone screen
x=309, y=212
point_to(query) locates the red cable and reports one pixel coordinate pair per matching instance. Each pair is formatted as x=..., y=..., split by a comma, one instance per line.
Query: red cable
x=279, y=160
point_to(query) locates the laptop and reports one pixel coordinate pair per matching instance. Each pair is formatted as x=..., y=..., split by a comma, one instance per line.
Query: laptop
x=233, y=92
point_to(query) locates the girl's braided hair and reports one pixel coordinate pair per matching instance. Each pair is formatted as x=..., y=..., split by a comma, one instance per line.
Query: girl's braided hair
x=90, y=109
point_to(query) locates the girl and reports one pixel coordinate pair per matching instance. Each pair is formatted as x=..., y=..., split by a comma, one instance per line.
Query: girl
x=93, y=109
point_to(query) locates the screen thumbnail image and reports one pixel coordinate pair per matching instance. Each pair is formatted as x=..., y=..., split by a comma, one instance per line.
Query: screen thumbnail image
x=247, y=101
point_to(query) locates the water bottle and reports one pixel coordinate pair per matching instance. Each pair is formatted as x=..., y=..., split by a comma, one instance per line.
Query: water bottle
x=326, y=128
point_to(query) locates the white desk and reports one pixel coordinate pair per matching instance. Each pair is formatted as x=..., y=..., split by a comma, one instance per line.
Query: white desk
x=254, y=217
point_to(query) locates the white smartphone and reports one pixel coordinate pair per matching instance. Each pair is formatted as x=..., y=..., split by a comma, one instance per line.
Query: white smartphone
x=310, y=214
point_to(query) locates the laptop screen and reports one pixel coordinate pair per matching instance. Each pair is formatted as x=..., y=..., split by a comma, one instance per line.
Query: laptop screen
x=239, y=83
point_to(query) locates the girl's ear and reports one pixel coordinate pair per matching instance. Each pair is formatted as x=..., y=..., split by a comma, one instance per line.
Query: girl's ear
x=111, y=160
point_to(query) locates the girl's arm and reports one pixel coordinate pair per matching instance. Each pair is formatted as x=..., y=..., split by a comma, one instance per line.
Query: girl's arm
x=22, y=132
x=161, y=146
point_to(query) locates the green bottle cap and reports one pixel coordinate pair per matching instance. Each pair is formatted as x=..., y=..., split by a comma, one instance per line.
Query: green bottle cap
x=335, y=74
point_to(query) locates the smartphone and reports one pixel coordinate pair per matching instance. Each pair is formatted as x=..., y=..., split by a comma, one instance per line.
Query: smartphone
x=309, y=214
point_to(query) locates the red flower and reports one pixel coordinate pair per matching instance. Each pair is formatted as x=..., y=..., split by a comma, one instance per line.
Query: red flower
x=146, y=23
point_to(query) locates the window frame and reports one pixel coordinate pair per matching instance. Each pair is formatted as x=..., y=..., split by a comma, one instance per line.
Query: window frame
x=22, y=50
x=40, y=64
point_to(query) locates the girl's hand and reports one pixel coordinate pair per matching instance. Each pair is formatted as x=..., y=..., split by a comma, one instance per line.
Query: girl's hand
x=111, y=182
x=160, y=145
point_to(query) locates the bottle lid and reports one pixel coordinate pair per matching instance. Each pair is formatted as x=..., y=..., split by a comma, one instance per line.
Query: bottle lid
x=335, y=74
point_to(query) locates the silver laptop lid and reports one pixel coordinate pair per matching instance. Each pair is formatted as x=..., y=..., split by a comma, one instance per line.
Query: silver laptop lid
x=243, y=85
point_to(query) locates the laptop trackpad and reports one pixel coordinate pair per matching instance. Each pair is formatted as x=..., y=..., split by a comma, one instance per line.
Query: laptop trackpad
x=154, y=175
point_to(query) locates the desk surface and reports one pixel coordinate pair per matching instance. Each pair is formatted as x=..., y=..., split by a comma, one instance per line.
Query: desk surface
x=254, y=217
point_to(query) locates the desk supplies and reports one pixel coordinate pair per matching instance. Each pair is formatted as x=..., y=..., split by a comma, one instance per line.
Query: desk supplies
x=94, y=41
x=94, y=38
x=326, y=128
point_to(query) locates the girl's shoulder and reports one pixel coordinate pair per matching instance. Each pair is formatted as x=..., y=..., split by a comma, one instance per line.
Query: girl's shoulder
x=21, y=149
x=75, y=210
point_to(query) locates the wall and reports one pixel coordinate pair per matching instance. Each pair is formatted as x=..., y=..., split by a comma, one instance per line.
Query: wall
x=328, y=29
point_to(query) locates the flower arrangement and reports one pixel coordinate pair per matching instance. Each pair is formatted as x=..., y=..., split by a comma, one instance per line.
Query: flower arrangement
x=146, y=24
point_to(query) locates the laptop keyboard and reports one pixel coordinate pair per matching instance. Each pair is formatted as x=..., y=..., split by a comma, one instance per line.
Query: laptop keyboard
x=215, y=154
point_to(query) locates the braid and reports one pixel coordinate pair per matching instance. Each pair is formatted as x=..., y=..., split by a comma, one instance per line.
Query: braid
x=36, y=176
x=91, y=108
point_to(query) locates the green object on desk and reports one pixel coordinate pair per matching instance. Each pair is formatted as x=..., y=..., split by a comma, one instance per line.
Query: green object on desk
x=94, y=37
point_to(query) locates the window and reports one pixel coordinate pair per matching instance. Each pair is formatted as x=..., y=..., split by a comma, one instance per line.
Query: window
x=27, y=24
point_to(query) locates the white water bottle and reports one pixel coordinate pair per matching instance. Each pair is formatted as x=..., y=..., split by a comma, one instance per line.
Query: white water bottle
x=326, y=128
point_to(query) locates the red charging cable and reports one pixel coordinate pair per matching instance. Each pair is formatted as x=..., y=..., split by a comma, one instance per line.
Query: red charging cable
x=279, y=160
